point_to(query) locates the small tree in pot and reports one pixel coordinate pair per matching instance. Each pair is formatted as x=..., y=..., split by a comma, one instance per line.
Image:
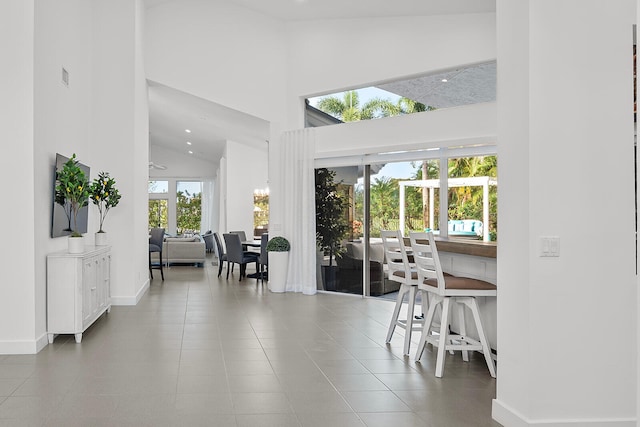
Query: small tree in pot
x=104, y=195
x=278, y=248
x=331, y=223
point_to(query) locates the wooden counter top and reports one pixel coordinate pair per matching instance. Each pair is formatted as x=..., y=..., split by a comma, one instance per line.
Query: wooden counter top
x=466, y=247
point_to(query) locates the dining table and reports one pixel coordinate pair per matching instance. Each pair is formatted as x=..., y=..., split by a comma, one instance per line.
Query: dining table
x=253, y=244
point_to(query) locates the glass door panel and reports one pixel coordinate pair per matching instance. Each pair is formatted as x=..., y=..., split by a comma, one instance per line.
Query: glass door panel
x=400, y=199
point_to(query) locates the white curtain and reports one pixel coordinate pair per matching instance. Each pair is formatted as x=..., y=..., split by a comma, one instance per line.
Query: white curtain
x=208, y=206
x=295, y=158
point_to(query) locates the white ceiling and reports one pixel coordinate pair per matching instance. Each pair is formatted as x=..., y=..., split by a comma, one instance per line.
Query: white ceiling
x=172, y=111
x=466, y=85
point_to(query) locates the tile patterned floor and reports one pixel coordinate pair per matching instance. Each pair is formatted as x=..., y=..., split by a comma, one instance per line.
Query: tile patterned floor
x=198, y=350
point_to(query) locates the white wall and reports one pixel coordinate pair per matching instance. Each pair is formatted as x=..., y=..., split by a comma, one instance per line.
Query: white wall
x=567, y=326
x=119, y=140
x=322, y=59
x=62, y=121
x=471, y=124
x=247, y=170
x=18, y=324
x=327, y=56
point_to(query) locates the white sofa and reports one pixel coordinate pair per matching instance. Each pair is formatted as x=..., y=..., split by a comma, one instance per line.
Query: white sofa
x=182, y=250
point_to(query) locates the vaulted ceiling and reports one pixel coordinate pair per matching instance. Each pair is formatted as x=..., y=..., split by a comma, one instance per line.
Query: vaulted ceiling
x=170, y=109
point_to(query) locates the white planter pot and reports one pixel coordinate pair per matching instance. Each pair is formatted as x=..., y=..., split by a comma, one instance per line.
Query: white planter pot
x=101, y=239
x=76, y=245
x=278, y=269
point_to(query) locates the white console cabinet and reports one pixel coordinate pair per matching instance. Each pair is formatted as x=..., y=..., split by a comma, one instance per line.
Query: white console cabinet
x=78, y=290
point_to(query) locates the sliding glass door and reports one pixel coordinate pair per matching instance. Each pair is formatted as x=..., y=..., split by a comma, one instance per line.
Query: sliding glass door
x=399, y=192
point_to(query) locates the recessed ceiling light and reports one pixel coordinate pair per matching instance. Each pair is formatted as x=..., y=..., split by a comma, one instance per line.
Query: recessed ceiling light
x=187, y=130
x=190, y=152
x=444, y=80
x=188, y=142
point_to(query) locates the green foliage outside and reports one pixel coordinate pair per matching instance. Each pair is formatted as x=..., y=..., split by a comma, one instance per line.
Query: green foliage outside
x=72, y=192
x=189, y=212
x=348, y=109
x=464, y=202
x=158, y=212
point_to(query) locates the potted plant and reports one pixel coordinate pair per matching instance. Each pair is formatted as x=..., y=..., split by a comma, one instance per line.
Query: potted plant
x=104, y=194
x=278, y=248
x=72, y=192
x=331, y=223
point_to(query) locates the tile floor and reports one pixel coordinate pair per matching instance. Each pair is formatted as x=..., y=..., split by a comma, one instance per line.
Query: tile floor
x=198, y=350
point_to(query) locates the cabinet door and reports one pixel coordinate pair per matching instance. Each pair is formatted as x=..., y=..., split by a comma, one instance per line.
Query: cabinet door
x=103, y=280
x=89, y=288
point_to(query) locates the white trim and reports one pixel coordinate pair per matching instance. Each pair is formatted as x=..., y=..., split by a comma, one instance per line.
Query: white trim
x=512, y=418
x=42, y=342
x=485, y=149
x=24, y=346
x=127, y=300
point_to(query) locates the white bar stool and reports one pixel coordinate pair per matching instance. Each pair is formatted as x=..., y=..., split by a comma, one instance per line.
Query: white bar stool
x=445, y=290
x=400, y=271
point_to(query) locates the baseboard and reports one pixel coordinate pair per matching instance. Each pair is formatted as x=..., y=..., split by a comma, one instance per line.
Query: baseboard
x=24, y=346
x=509, y=417
x=42, y=342
x=133, y=300
x=319, y=291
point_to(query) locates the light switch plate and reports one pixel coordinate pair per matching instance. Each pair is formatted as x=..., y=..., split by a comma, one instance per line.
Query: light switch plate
x=549, y=246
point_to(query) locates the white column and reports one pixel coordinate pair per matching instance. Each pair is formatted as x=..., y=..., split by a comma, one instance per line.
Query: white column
x=485, y=211
x=402, y=192
x=119, y=138
x=550, y=136
x=18, y=328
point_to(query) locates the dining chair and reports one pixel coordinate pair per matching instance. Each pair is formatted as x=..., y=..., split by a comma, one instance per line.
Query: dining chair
x=445, y=291
x=222, y=257
x=208, y=241
x=401, y=271
x=243, y=238
x=242, y=234
x=156, y=239
x=235, y=254
x=263, y=258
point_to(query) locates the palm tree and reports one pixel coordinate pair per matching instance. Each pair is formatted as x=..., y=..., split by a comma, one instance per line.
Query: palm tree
x=384, y=200
x=348, y=108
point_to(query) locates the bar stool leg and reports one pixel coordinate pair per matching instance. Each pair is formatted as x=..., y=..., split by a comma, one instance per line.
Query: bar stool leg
x=426, y=327
x=396, y=312
x=409, y=324
x=463, y=330
x=473, y=305
x=442, y=342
